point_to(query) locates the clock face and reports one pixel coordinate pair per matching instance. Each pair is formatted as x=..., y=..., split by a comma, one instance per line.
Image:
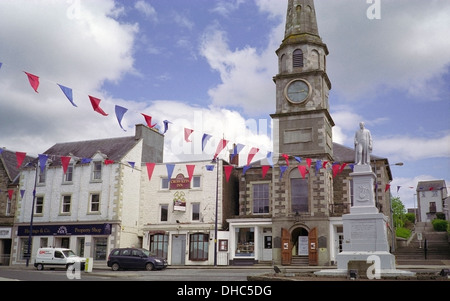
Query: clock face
x=297, y=91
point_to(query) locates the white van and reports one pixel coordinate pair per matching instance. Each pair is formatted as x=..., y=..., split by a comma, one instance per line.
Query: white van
x=57, y=257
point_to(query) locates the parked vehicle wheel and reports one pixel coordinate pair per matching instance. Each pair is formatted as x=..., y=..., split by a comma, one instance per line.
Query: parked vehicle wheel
x=149, y=266
x=40, y=266
x=115, y=266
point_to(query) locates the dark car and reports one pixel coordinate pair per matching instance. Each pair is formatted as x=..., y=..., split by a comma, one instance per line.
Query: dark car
x=135, y=258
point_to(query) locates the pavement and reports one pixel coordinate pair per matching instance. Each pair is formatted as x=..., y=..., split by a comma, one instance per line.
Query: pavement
x=288, y=273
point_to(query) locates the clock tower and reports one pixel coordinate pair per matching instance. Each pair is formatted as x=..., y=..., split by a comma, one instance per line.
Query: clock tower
x=302, y=127
x=302, y=122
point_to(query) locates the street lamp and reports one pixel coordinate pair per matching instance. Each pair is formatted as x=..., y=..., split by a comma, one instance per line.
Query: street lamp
x=216, y=160
x=32, y=212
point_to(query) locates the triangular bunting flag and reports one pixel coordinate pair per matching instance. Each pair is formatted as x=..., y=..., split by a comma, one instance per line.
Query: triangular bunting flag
x=20, y=157
x=108, y=162
x=270, y=158
x=308, y=162
x=265, y=169
x=68, y=92
x=170, y=168
x=387, y=187
x=205, y=139
x=236, y=150
x=166, y=125
x=150, y=168
x=42, y=162
x=228, y=170
x=96, y=105
x=251, y=154
x=148, y=120
x=286, y=158
x=222, y=144
x=65, y=160
x=302, y=170
x=246, y=167
x=86, y=160
x=282, y=169
x=34, y=81
x=187, y=133
x=131, y=164
x=190, y=170
x=120, y=111
x=209, y=167
x=22, y=192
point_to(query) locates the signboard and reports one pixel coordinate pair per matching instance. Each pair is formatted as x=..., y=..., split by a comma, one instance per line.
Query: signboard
x=5, y=233
x=180, y=182
x=179, y=201
x=66, y=230
x=303, y=245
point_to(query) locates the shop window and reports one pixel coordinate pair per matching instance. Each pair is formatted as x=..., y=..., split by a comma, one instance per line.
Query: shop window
x=159, y=244
x=100, y=248
x=24, y=254
x=245, y=241
x=198, y=247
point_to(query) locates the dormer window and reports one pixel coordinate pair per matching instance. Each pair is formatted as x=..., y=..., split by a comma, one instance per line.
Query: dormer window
x=298, y=58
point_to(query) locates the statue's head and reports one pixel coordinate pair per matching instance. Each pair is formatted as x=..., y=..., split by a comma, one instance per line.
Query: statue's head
x=361, y=125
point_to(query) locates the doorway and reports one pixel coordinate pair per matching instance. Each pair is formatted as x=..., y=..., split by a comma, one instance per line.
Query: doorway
x=178, y=249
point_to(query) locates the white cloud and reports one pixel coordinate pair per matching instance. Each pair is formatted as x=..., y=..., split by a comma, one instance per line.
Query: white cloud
x=79, y=47
x=147, y=9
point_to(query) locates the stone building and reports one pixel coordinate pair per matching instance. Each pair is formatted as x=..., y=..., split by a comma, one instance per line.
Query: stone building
x=9, y=194
x=87, y=195
x=292, y=213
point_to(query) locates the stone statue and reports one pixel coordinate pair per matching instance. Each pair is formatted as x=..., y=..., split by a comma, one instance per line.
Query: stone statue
x=363, y=145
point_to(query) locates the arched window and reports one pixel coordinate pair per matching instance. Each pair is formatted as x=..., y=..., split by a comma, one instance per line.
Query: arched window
x=298, y=58
x=283, y=65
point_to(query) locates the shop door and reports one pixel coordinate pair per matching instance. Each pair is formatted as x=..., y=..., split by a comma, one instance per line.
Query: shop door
x=312, y=242
x=286, y=247
x=178, y=250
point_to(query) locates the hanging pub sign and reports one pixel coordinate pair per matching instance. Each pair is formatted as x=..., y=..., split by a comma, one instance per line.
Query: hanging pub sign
x=180, y=182
x=179, y=201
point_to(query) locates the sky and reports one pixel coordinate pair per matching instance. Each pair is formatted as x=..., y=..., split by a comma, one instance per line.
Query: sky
x=208, y=66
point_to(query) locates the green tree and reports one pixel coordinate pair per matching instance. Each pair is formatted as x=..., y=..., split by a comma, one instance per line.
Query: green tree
x=398, y=212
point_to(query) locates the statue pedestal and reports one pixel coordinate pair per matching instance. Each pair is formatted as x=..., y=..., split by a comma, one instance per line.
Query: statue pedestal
x=365, y=231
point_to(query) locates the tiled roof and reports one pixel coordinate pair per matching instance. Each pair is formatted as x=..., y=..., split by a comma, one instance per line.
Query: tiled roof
x=9, y=161
x=431, y=185
x=114, y=148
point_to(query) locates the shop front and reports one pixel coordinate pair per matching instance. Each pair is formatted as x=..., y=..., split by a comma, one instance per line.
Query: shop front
x=86, y=240
x=250, y=241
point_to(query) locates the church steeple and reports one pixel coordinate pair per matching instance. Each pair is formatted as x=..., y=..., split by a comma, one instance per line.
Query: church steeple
x=301, y=18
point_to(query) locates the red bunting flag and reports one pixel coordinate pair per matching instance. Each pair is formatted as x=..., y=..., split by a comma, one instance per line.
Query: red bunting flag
x=387, y=187
x=336, y=167
x=265, y=169
x=108, y=162
x=222, y=144
x=65, y=163
x=342, y=167
x=20, y=157
x=10, y=193
x=308, y=162
x=302, y=170
x=150, y=168
x=286, y=158
x=324, y=165
x=148, y=119
x=228, y=170
x=96, y=105
x=187, y=133
x=34, y=81
x=190, y=170
x=251, y=154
